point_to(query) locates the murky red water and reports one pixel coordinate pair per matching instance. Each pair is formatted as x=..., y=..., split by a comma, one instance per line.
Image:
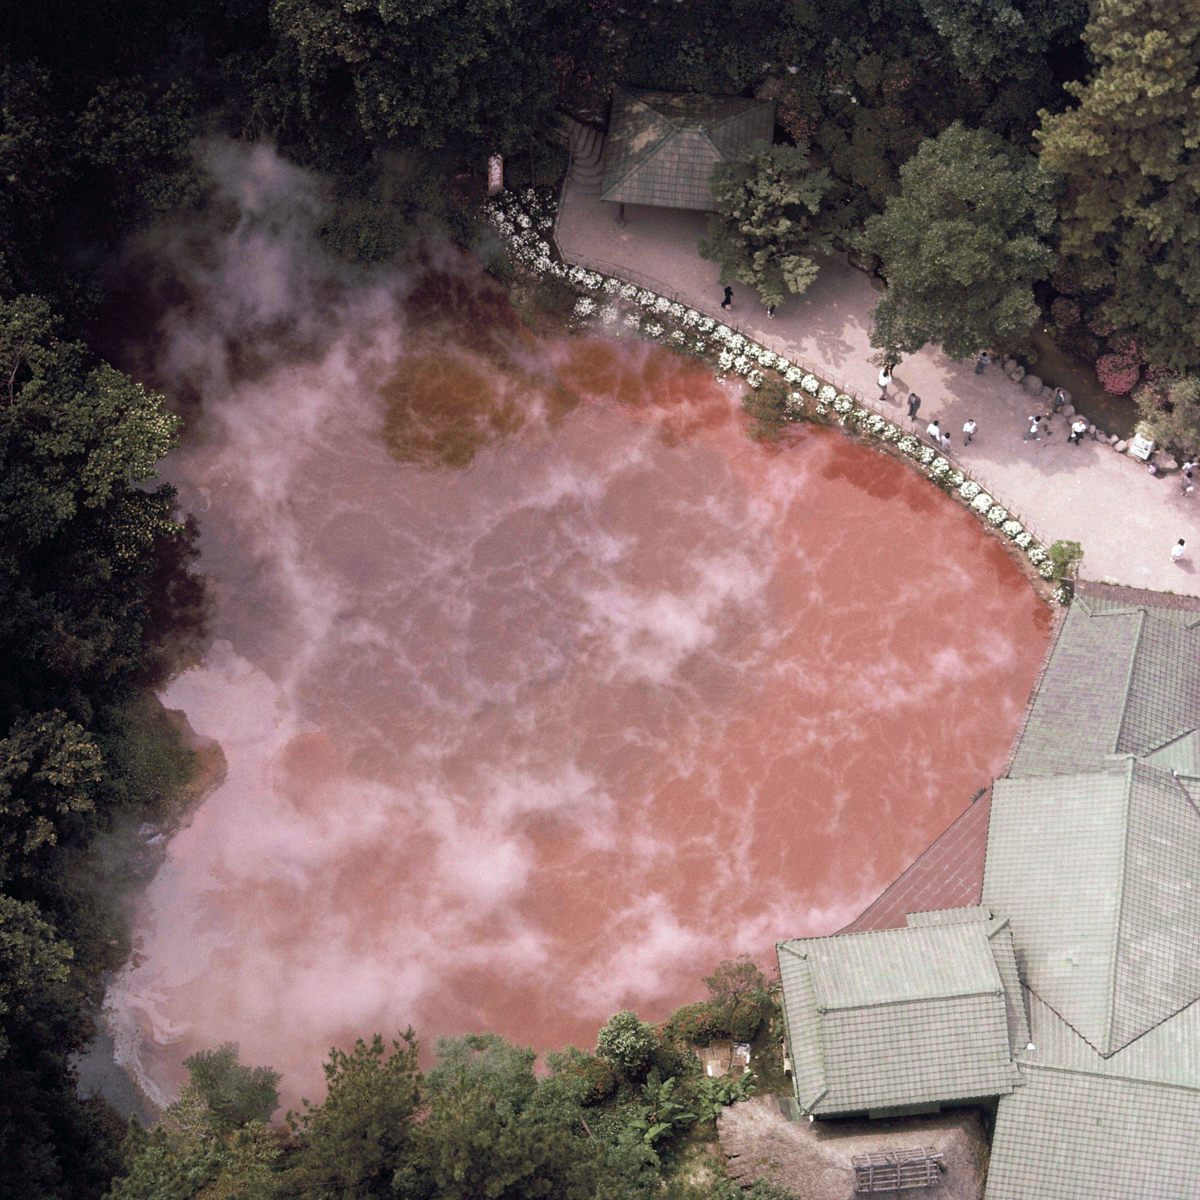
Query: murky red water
x=516, y=744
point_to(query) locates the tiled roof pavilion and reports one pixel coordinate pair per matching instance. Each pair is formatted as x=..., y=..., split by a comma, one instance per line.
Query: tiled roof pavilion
x=1093, y=853
x=662, y=146
x=900, y=1018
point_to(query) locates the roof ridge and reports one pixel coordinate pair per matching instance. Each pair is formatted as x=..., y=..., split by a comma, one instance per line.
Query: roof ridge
x=1177, y=737
x=647, y=151
x=1175, y=780
x=1137, y=645
x=1062, y=1069
x=1110, y=997
x=857, y=933
x=910, y=1000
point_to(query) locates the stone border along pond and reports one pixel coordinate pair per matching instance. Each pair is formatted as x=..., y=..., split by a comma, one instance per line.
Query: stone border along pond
x=524, y=221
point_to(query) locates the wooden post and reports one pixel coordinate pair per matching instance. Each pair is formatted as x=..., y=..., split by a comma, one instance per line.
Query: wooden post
x=495, y=182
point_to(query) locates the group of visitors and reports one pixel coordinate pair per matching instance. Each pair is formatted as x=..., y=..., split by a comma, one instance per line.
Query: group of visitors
x=934, y=431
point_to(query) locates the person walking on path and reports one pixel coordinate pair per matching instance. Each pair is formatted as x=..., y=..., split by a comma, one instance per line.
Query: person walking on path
x=1178, y=550
x=934, y=432
x=914, y=403
x=981, y=362
x=1033, y=433
x=728, y=301
x=1078, y=429
x=770, y=310
x=969, y=428
x=1185, y=481
x=1060, y=398
x=885, y=380
x=944, y=440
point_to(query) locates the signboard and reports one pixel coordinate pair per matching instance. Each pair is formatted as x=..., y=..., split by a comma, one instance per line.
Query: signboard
x=495, y=174
x=1141, y=447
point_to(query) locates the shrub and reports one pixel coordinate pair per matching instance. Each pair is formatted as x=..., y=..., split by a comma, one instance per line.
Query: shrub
x=1065, y=313
x=1063, y=558
x=696, y=1024
x=627, y=1043
x=767, y=406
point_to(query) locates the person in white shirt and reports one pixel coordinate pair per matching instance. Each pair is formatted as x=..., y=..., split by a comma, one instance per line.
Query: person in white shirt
x=969, y=428
x=1178, y=550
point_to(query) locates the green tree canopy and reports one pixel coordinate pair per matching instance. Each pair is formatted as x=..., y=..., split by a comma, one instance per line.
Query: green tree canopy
x=354, y=1142
x=961, y=245
x=34, y=969
x=1131, y=222
x=50, y=769
x=1170, y=408
x=231, y=1094
x=772, y=221
x=491, y=1130
x=472, y=77
x=627, y=1043
x=740, y=997
x=998, y=38
x=83, y=542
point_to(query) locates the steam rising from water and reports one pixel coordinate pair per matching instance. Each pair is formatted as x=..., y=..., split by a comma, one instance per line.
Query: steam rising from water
x=519, y=741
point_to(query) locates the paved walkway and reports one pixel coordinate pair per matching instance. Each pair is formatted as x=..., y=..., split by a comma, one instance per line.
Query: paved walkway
x=1125, y=519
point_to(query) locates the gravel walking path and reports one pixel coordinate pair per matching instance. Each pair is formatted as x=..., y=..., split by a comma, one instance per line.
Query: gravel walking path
x=1125, y=519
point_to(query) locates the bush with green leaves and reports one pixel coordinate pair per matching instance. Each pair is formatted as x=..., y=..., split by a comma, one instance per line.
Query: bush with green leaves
x=628, y=1043
x=1064, y=558
x=742, y=997
x=1170, y=411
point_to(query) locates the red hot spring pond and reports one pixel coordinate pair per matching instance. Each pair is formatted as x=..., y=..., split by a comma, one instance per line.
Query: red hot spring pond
x=542, y=686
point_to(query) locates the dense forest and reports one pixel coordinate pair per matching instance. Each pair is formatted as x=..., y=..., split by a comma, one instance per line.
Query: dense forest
x=1004, y=163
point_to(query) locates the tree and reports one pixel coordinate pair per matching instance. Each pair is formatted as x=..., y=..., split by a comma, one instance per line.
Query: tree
x=998, y=38
x=1170, y=409
x=34, y=969
x=82, y=539
x=494, y=1130
x=771, y=221
x=232, y=1095
x=213, y=1141
x=627, y=1043
x=961, y=245
x=1130, y=223
x=473, y=78
x=740, y=997
x=354, y=1142
x=50, y=769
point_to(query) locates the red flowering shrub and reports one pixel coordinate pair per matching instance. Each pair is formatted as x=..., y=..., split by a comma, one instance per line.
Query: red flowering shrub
x=1117, y=373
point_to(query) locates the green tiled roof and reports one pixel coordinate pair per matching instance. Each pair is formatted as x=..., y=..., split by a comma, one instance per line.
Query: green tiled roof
x=1067, y=1135
x=1181, y=754
x=1100, y=876
x=897, y=1017
x=1168, y=1054
x=662, y=146
x=1120, y=680
x=1004, y=954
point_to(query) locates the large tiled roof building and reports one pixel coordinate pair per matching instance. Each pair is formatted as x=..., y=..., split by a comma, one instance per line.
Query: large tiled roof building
x=1092, y=872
